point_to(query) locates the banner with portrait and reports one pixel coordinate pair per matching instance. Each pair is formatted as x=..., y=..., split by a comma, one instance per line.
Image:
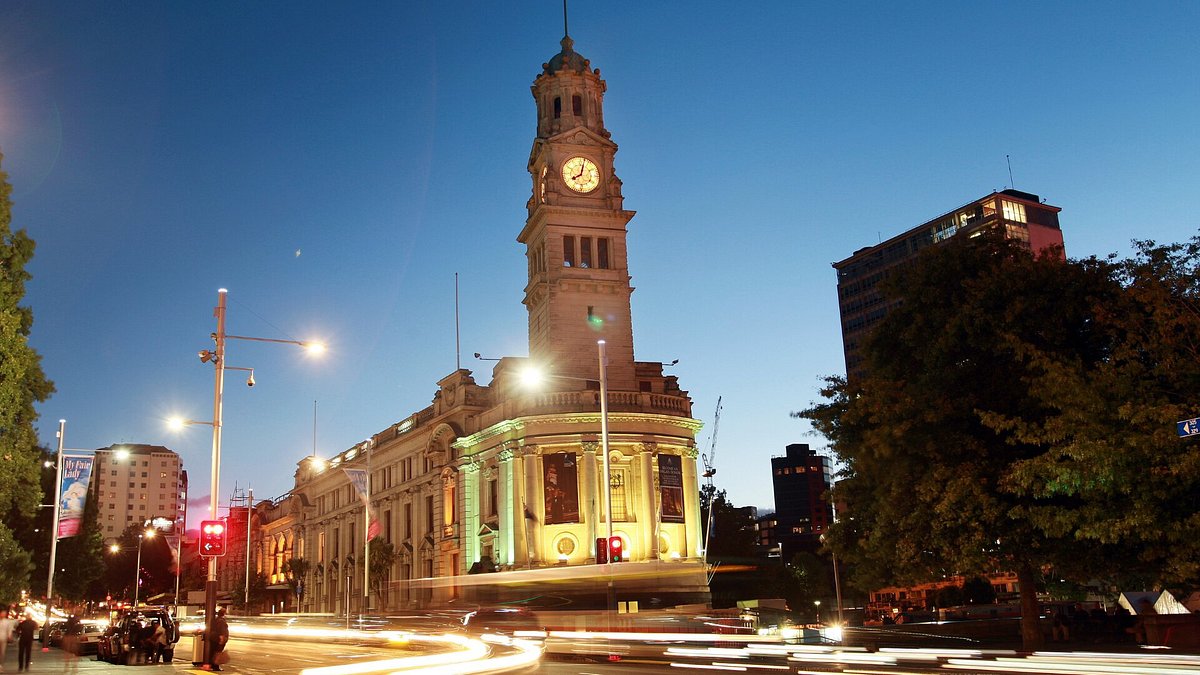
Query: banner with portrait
x=670, y=488
x=560, y=485
x=72, y=494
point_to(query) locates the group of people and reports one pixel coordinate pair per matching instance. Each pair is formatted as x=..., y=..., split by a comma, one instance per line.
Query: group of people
x=24, y=630
x=151, y=640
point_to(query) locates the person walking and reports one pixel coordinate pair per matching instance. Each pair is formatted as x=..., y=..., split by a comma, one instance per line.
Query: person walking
x=7, y=626
x=217, y=642
x=25, y=631
x=70, y=644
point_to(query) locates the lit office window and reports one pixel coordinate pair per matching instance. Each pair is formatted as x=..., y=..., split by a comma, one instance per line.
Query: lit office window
x=1013, y=211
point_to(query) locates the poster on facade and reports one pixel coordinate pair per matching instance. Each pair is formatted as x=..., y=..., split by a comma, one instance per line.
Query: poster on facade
x=76, y=474
x=561, y=488
x=670, y=487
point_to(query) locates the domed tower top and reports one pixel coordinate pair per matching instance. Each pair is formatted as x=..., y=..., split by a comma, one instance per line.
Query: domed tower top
x=567, y=59
x=568, y=94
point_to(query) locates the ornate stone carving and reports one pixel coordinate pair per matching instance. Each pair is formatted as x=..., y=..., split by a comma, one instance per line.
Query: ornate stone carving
x=691, y=452
x=650, y=447
x=590, y=446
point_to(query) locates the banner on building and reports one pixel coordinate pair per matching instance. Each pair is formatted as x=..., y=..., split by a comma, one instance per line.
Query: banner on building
x=560, y=485
x=72, y=494
x=358, y=477
x=670, y=487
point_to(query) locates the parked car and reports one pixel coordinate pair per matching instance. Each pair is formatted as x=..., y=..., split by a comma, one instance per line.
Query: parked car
x=123, y=641
x=91, y=632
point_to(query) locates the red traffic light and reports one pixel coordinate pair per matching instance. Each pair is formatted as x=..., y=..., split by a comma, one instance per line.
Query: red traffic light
x=212, y=538
x=616, y=550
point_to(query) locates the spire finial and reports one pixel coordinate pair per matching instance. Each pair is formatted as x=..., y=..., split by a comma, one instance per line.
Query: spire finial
x=566, y=33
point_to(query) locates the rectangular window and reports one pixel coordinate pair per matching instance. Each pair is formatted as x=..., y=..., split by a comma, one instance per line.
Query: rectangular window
x=429, y=514
x=408, y=521
x=387, y=526
x=620, y=510
x=602, y=253
x=491, y=497
x=585, y=252
x=568, y=250
x=1013, y=211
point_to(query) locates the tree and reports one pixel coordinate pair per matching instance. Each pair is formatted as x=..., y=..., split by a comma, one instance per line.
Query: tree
x=22, y=384
x=732, y=534
x=257, y=591
x=297, y=570
x=1116, y=473
x=383, y=556
x=805, y=580
x=927, y=477
x=978, y=591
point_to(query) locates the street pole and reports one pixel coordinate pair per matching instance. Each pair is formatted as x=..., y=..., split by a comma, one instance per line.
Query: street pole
x=607, y=478
x=179, y=532
x=367, y=535
x=249, y=507
x=210, y=586
x=62, y=431
x=137, y=572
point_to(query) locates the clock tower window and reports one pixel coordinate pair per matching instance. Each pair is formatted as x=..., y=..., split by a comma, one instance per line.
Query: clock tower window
x=568, y=250
x=602, y=253
x=557, y=107
x=585, y=251
x=577, y=105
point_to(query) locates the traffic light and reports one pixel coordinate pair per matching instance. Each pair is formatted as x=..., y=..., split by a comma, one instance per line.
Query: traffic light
x=212, y=538
x=616, y=550
x=601, y=550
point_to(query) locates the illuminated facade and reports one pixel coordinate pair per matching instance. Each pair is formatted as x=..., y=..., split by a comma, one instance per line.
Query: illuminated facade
x=502, y=477
x=136, y=483
x=1021, y=215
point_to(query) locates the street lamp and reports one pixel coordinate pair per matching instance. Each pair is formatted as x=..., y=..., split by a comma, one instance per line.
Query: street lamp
x=217, y=358
x=531, y=376
x=137, y=570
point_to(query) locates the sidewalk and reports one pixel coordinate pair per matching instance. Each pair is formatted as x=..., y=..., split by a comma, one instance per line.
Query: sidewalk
x=55, y=661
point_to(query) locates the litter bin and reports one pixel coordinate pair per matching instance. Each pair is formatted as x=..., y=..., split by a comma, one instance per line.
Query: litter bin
x=198, y=648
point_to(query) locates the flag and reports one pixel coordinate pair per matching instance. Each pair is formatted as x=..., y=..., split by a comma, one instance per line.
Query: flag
x=72, y=494
x=358, y=477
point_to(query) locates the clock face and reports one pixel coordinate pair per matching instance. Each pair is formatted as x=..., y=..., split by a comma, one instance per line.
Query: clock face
x=581, y=174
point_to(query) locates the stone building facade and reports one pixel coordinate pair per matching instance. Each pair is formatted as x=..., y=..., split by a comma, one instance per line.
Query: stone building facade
x=507, y=478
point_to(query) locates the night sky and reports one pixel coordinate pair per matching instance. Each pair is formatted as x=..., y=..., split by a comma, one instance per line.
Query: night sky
x=335, y=164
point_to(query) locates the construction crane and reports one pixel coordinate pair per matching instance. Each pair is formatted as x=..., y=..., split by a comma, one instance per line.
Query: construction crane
x=709, y=471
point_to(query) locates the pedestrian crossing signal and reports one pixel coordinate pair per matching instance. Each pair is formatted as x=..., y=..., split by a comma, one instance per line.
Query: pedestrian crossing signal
x=212, y=538
x=616, y=550
x=601, y=550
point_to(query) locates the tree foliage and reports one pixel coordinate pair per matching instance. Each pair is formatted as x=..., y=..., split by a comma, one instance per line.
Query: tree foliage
x=928, y=436
x=383, y=556
x=22, y=384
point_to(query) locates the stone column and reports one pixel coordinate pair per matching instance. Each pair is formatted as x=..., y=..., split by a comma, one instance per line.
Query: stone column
x=591, y=498
x=510, y=516
x=534, y=503
x=691, y=504
x=647, y=500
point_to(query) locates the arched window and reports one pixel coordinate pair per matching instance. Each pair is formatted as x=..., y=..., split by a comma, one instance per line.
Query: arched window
x=577, y=105
x=557, y=107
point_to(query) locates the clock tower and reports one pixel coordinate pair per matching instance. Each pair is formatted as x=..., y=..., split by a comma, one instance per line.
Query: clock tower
x=578, y=290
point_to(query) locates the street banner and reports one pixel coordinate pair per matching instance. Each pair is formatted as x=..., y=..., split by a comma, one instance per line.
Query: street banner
x=560, y=483
x=670, y=487
x=358, y=477
x=76, y=474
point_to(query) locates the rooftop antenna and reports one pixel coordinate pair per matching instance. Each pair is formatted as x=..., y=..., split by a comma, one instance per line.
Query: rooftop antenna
x=457, y=342
x=565, y=32
x=1010, y=180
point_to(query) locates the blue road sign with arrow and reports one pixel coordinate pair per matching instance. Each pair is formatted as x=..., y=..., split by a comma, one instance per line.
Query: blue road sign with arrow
x=1188, y=427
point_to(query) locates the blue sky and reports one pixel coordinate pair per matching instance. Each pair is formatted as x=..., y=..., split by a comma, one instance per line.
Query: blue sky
x=160, y=151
